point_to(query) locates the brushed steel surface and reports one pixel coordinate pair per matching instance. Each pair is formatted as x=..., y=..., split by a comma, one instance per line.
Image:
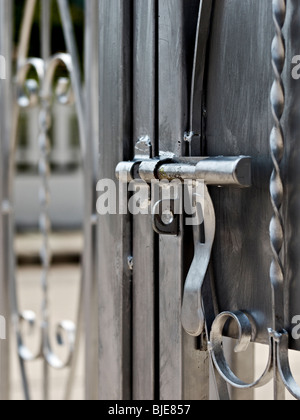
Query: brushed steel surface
x=6, y=271
x=179, y=357
x=91, y=322
x=115, y=121
x=238, y=104
x=144, y=274
x=277, y=186
x=192, y=315
x=238, y=86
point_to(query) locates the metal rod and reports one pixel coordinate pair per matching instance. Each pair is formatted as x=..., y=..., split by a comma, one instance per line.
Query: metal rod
x=5, y=123
x=277, y=144
x=87, y=158
x=44, y=156
x=76, y=73
x=213, y=171
x=46, y=29
x=26, y=30
x=90, y=295
x=199, y=66
x=22, y=54
x=219, y=171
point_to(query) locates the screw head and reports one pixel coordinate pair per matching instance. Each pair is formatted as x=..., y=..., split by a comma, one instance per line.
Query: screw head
x=167, y=217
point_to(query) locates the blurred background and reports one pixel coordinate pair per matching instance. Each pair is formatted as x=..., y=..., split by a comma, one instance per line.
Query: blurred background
x=66, y=172
x=66, y=214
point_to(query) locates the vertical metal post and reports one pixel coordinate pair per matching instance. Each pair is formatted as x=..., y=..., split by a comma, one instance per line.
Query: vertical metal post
x=5, y=208
x=184, y=370
x=25, y=30
x=45, y=54
x=86, y=107
x=115, y=119
x=46, y=29
x=277, y=187
x=145, y=307
x=23, y=46
x=91, y=73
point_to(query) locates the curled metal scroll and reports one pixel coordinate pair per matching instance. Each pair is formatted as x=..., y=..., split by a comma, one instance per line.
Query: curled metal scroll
x=63, y=91
x=65, y=334
x=245, y=334
x=43, y=90
x=28, y=89
x=282, y=371
x=30, y=93
x=30, y=319
x=282, y=341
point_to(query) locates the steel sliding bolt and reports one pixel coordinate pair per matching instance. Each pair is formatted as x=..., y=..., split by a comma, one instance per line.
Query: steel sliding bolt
x=218, y=171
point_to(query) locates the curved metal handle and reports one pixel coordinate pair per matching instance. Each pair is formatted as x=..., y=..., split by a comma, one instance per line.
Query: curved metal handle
x=193, y=320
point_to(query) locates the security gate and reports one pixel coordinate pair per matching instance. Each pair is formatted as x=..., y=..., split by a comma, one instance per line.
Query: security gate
x=183, y=80
x=188, y=123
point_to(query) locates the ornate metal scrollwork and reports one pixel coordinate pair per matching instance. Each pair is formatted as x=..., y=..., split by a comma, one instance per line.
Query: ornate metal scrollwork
x=277, y=152
x=42, y=91
x=29, y=94
x=245, y=334
x=282, y=354
x=278, y=363
x=282, y=371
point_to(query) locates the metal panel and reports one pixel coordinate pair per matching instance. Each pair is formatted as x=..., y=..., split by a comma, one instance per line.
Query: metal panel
x=115, y=230
x=144, y=305
x=91, y=178
x=291, y=171
x=239, y=122
x=179, y=357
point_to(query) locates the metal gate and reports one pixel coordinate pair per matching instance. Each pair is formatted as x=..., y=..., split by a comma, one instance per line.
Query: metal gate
x=188, y=121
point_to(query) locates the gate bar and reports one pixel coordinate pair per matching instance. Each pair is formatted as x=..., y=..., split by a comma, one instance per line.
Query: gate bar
x=5, y=207
x=115, y=117
x=91, y=323
x=145, y=338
